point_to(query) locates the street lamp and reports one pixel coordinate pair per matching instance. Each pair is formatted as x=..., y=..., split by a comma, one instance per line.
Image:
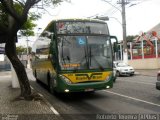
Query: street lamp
x=105, y=18
x=38, y=29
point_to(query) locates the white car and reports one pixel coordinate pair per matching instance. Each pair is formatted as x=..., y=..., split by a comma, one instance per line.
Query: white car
x=122, y=68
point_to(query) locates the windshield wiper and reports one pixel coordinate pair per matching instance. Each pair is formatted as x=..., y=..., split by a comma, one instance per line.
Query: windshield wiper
x=99, y=65
x=91, y=56
x=86, y=56
x=86, y=64
x=64, y=62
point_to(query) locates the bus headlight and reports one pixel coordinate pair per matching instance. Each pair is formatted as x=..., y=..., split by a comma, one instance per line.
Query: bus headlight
x=66, y=90
x=107, y=78
x=107, y=87
x=65, y=79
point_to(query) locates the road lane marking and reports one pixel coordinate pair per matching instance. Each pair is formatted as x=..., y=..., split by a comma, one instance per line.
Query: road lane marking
x=40, y=94
x=132, y=98
x=138, y=82
x=31, y=87
x=50, y=106
x=53, y=110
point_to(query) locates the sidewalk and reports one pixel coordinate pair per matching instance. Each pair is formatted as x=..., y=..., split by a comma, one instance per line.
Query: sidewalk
x=152, y=72
x=12, y=109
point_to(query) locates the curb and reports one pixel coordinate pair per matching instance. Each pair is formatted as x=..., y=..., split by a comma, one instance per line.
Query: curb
x=30, y=74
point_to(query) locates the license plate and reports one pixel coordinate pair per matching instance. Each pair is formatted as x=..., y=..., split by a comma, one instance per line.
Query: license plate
x=89, y=89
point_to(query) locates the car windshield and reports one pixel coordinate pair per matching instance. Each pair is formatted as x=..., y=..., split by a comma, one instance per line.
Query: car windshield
x=122, y=65
x=84, y=52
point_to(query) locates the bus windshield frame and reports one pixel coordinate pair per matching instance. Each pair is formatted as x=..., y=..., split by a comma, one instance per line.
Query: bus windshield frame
x=83, y=46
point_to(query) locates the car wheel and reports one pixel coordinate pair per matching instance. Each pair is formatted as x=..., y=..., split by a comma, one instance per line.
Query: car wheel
x=117, y=73
x=114, y=78
x=131, y=74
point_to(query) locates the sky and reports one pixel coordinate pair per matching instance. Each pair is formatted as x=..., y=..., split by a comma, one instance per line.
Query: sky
x=141, y=15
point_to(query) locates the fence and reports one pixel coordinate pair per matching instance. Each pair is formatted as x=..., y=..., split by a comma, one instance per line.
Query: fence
x=6, y=66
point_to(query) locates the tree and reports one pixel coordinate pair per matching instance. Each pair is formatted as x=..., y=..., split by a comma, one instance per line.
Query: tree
x=11, y=21
x=21, y=49
x=130, y=38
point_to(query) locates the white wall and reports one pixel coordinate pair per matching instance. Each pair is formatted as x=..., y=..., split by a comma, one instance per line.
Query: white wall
x=150, y=63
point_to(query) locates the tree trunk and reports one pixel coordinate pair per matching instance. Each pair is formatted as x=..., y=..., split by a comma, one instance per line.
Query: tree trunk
x=10, y=49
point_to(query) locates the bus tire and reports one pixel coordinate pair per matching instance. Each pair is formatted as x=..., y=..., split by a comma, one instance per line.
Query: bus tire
x=35, y=75
x=50, y=84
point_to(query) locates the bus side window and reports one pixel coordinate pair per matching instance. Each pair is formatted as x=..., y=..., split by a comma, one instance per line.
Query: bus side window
x=42, y=53
x=52, y=52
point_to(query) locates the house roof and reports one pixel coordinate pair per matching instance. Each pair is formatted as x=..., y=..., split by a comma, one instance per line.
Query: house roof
x=156, y=28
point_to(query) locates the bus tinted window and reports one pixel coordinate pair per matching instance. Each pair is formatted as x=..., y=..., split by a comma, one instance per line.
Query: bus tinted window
x=81, y=27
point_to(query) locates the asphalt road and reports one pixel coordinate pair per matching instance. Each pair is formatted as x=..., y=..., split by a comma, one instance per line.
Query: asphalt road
x=134, y=95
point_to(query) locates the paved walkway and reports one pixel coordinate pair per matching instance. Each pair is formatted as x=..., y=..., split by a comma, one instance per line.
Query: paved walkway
x=13, y=109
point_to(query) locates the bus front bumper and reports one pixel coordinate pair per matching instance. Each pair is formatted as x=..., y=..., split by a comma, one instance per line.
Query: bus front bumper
x=86, y=87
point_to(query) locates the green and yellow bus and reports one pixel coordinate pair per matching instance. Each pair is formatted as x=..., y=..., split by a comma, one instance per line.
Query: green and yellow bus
x=74, y=55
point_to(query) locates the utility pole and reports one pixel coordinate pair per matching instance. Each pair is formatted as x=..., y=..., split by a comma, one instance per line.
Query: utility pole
x=123, y=12
x=125, y=54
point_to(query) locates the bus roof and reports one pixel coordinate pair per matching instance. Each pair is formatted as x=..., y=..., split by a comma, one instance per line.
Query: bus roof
x=75, y=19
x=79, y=19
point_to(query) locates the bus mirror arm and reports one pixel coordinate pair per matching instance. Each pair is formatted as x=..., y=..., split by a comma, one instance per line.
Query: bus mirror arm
x=49, y=56
x=115, y=44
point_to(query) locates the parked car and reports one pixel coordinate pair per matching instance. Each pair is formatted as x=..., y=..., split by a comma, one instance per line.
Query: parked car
x=158, y=81
x=122, y=68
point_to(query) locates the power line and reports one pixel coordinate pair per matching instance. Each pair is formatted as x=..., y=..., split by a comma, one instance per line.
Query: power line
x=111, y=5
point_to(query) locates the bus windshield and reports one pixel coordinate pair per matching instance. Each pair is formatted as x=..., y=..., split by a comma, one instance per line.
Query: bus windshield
x=84, y=52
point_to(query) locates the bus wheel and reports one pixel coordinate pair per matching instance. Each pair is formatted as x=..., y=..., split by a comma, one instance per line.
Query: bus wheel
x=50, y=84
x=35, y=75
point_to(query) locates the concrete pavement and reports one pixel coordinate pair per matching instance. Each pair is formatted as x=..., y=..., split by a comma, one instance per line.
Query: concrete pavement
x=152, y=72
x=13, y=109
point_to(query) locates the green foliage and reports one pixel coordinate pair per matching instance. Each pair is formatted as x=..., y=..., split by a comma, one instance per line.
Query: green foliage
x=53, y=2
x=22, y=50
x=29, y=25
x=3, y=16
x=18, y=8
x=27, y=28
x=130, y=38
